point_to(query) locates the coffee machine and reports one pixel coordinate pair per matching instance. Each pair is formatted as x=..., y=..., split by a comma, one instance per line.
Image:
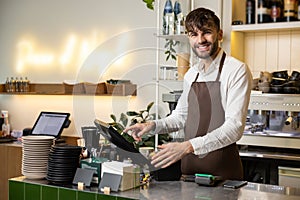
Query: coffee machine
x=172, y=98
x=270, y=145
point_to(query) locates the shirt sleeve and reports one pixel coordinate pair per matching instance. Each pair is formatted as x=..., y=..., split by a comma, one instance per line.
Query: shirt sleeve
x=238, y=87
x=177, y=119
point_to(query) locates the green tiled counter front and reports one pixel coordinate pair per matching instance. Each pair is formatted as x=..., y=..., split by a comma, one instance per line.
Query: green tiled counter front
x=21, y=188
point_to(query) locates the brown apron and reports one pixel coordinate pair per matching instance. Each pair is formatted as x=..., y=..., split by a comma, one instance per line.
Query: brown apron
x=206, y=113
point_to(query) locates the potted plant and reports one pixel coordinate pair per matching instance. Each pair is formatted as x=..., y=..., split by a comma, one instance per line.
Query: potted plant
x=134, y=117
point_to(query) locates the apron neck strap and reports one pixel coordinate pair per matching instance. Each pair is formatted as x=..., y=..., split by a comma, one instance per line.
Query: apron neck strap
x=221, y=66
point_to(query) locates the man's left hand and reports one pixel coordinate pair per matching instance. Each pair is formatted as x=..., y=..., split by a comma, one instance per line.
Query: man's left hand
x=170, y=153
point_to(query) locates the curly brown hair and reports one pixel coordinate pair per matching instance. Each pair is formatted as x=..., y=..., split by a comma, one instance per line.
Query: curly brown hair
x=201, y=17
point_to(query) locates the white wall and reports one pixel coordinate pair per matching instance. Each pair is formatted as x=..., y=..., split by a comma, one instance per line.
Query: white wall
x=92, y=40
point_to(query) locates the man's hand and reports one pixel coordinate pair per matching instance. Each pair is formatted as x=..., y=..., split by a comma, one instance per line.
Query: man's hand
x=139, y=129
x=170, y=153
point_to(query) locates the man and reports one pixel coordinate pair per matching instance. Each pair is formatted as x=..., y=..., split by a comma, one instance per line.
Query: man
x=212, y=108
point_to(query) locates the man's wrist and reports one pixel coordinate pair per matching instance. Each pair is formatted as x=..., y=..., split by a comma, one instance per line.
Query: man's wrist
x=190, y=148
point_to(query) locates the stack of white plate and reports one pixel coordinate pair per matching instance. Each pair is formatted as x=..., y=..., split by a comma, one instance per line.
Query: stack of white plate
x=35, y=151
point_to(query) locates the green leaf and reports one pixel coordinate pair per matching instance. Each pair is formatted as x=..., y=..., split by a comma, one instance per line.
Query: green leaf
x=132, y=113
x=150, y=106
x=150, y=4
x=166, y=45
x=124, y=119
x=113, y=117
x=119, y=127
x=168, y=57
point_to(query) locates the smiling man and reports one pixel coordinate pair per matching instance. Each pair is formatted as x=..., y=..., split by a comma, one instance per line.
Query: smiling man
x=212, y=108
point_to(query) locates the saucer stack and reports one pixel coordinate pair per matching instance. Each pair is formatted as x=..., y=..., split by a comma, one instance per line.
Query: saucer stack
x=35, y=152
x=63, y=163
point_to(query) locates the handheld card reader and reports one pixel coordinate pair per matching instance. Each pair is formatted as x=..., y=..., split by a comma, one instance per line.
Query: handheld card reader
x=206, y=179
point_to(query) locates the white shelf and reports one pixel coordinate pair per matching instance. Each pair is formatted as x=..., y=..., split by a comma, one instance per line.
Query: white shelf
x=180, y=38
x=278, y=26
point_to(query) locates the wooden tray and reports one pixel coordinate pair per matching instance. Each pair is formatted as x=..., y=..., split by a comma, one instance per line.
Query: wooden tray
x=121, y=89
x=91, y=88
x=77, y=88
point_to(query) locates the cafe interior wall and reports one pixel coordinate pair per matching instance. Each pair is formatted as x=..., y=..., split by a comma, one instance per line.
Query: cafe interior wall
x=92, y=41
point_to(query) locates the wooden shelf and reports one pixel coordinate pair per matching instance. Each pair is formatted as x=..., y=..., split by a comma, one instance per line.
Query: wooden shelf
x=87, y=89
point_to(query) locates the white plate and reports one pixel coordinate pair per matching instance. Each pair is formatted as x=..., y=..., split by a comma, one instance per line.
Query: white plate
x=37, y=137
x=34, y=165
x=35, y=175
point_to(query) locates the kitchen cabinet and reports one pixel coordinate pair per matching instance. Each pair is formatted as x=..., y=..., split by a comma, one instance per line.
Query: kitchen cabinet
x=11, y=155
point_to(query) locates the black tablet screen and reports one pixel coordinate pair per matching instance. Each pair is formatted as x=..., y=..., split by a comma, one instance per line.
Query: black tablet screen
x=50, y=123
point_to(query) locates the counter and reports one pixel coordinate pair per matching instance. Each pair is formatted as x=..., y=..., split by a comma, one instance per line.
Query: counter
x=21, y=188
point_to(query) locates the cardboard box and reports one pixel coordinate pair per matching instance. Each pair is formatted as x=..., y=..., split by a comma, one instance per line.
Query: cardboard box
x=130, y=173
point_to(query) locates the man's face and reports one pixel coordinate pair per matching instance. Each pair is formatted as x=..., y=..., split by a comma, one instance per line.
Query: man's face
x=205, y=42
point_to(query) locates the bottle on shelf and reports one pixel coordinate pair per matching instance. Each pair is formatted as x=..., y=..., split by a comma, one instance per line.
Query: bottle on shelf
x=289, y=13
x=179, y=19
x=21, y=85
x=5, y=125
x=26, y=85
x=12, y=85
x=298, y=10
x=250, y=12
x=276, y=10
x=7, y=85
x=17, y=85
x=168, y=19
x=263, y=11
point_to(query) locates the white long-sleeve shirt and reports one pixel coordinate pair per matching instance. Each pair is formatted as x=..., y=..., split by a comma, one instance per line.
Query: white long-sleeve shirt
x=236, y=80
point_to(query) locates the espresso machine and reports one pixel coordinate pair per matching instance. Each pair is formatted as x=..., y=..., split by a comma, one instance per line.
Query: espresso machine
x=270, y=145
x=171, y=98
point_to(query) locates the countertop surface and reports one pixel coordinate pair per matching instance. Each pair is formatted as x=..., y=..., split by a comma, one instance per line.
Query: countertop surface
x=190, y=190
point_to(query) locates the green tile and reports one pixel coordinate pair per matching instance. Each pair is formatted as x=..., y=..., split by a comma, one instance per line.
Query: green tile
x=16, y=190
x=49, y=193
x=32, y=192
x=65, y=194
x=86, y=195
x=106, y=197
